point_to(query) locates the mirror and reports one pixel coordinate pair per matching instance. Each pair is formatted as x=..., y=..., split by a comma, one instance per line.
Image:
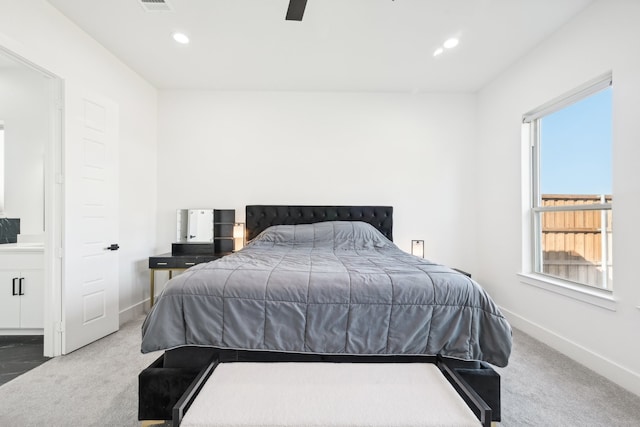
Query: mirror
x=1, y=168
x=194, y=225
x=25, y=113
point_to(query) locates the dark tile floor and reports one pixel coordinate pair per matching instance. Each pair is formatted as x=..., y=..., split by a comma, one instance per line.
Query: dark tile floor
x=18, y=354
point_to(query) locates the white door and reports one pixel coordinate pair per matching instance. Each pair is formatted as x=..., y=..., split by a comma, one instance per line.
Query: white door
x=90, y=274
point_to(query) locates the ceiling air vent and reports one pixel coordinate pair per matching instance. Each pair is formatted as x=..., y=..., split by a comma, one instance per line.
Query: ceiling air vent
x=155, y=5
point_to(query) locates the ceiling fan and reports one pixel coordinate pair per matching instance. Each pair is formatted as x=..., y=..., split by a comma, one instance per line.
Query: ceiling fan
x=296, y=10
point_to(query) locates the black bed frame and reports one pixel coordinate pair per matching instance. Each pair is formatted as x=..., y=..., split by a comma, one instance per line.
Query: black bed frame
x=170, y=384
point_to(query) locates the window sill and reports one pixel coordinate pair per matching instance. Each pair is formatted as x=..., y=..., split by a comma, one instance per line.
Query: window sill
x=597, y=297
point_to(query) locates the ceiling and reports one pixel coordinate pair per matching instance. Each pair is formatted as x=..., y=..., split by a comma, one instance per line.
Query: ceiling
x=340, y=45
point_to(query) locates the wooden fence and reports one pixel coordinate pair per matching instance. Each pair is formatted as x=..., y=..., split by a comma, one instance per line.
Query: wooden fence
x=572, y=241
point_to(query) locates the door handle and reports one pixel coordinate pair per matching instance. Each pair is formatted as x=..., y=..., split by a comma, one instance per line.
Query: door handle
x=14, y=286
x=20, y=286
x=112, y=247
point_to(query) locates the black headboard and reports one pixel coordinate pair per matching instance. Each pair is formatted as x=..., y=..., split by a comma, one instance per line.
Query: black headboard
x=260, y=217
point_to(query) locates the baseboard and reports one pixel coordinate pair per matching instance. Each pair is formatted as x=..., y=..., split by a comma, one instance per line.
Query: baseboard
x=609, y=369
x=133, y=312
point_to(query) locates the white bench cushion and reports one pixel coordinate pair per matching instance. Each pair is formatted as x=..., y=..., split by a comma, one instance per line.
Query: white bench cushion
x=328, y=395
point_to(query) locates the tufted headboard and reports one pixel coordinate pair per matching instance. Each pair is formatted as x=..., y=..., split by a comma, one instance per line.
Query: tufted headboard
x=260, y=217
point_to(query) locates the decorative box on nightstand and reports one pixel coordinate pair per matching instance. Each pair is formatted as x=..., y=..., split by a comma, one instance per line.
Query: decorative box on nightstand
x=223, y=222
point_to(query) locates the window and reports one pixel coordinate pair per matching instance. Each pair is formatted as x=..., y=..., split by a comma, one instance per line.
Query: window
x=571, y=204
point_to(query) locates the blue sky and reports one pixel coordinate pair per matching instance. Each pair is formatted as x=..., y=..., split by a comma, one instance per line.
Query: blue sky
x=576, y=148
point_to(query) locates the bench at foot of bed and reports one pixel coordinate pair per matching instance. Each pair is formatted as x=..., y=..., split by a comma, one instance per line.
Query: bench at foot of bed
x=328, y=394
x=169, y=386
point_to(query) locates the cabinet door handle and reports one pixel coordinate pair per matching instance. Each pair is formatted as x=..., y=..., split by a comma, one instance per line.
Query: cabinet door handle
x=20, y=286
x=14, y=286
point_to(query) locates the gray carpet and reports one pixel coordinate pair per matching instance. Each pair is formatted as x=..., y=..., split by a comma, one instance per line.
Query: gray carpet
x=93, y=386
x=542, y=387
x=97, y=386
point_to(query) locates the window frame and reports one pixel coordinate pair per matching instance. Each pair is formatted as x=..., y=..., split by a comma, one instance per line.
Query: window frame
x=531, y=131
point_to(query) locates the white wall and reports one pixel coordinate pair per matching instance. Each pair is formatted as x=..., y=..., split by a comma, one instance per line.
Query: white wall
x=230, y=149
x=24, y=107
x=38, y=32
x=604, y=37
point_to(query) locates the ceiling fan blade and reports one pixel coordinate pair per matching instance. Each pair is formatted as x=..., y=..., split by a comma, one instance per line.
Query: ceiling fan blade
x=296, y=10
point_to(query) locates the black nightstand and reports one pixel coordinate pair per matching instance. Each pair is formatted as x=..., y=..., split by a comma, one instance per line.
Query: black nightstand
x=181, y=257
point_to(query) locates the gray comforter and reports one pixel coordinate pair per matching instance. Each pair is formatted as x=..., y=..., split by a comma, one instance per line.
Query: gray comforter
x=333, y=288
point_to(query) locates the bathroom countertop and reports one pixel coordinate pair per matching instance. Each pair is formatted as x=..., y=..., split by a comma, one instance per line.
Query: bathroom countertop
x=21, y=247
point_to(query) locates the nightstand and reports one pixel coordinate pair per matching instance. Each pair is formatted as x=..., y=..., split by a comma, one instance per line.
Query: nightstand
x=181, y=257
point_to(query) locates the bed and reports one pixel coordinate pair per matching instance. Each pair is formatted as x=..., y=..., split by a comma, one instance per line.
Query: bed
x=325, y=281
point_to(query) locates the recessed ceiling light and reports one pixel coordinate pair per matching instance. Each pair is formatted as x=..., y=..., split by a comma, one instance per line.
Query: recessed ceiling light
x=181, y=38
x=453, y=42
x=438, y=51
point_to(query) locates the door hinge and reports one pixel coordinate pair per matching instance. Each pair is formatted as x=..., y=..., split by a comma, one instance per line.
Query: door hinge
x=59, y=104
x=59, y=252
x=59, y=327
x=59, y=178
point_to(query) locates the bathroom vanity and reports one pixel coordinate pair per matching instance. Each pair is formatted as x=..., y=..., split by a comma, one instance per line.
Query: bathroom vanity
x=21, y=289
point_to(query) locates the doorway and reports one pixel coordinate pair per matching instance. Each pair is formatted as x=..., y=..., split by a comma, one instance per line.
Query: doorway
x=41, y=221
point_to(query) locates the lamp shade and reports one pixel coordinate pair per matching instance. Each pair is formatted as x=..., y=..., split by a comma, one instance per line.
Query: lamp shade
x=238, y=236
x=417, y=248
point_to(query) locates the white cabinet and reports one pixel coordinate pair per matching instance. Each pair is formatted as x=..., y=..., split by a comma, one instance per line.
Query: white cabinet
x=21, y=289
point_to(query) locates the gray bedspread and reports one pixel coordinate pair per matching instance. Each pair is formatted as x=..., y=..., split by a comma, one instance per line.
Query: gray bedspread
x=328, y=288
